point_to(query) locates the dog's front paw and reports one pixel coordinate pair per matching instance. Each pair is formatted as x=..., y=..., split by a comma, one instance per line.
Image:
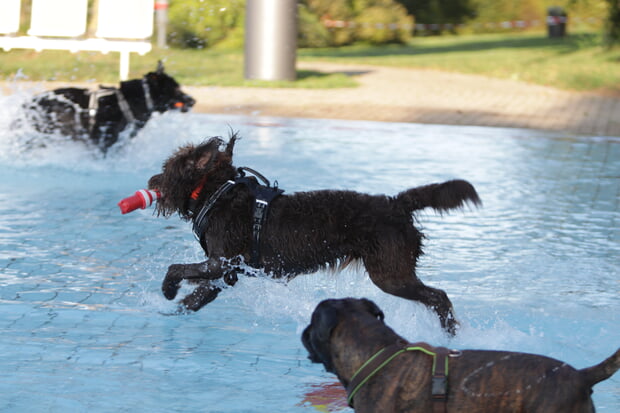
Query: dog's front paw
x=172, y=282
x=201, y=296
x=451, y=325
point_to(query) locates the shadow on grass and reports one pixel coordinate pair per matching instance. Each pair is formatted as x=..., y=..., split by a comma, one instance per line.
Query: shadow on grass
x=310, y=74
x=568, y=44
x=311, y=79
x=313, y=74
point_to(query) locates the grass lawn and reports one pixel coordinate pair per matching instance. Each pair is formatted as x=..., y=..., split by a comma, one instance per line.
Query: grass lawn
x=576, y=62
x=189, y=67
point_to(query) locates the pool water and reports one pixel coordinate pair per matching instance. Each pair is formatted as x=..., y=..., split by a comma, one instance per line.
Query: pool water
x=84, y=327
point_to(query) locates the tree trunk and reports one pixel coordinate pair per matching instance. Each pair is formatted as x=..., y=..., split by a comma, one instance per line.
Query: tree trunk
x=612, y=26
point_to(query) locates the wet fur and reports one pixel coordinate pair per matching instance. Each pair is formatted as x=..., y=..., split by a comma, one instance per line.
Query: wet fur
x=304, y=231
x=65, y=110
x=345, y=333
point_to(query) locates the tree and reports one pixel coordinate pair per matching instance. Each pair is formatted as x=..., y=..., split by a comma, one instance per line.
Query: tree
x=439, y=11
x=204, y=23
x=612, y=26
x=349, y=21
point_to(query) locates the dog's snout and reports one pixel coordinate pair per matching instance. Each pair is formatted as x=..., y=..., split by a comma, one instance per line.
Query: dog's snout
x=183, y=101
x=189, y=101
x=155, y=182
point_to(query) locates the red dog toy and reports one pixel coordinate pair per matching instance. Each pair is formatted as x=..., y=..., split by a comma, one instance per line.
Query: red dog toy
x=141, y=199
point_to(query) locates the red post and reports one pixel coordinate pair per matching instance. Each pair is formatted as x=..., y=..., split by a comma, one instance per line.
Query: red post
x=161, y=15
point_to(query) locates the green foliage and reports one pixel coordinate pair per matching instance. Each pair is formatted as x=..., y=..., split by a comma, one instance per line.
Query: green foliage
x=482, y=16
x=203, y=23
x=582, y=14
x=612, y=24
x=379, y=25
x=335, y=10
x=311, y=32
x=372, y=21
x=509, y=10
x=439, y=11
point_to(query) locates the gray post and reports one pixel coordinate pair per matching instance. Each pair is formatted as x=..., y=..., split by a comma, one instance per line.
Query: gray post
x=161, y=17
x=270, y=39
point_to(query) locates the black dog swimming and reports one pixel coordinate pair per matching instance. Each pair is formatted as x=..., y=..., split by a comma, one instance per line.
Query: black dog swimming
x=99, y=116
x=238, y=220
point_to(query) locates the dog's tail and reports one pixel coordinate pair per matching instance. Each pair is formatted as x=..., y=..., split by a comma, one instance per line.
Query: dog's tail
x=601, y=371
x=441, y=197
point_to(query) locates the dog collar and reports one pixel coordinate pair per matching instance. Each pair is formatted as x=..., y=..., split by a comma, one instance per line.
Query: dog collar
x=196, y=192
x=439, y=386
x=200, y=222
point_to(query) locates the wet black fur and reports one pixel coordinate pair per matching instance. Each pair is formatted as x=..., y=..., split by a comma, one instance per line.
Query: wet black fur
x=304, y=231
x=65, y=110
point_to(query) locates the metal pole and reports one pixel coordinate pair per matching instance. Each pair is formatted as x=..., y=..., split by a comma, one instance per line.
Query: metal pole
x=161, y=14
x=124, y=65
x=270, y=39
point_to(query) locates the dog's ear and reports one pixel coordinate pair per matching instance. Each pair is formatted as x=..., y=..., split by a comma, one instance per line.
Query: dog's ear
x=231, y=145
x=325, y=318
x=307, y=342
x=203, y=160
x=160, y=67
x=318, y=334
x=204, y=154
x=373, y=309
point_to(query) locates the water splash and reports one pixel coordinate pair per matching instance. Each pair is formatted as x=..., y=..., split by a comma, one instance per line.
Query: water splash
x=534, y=270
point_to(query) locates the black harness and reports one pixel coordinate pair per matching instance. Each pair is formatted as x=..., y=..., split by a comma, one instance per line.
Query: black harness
x=96, y=95
x=263, y=195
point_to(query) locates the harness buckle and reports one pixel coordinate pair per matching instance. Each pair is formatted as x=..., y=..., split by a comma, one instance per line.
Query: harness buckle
x=260, y=207
x=259, y=210
x=439, y=387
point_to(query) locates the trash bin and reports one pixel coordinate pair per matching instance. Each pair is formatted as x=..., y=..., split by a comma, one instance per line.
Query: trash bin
x=556, y=22
x=270, y=39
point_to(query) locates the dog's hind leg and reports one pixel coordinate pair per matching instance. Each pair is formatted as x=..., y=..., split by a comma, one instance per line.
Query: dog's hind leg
x=397, y=277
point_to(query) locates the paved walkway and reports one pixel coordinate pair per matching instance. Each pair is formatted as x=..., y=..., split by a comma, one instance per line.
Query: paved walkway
x=422, y=96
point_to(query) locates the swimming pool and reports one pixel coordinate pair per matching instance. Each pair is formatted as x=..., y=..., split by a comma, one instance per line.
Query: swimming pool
x=84, y=326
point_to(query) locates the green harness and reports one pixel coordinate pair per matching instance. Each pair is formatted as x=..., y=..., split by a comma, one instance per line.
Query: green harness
x=439, y=387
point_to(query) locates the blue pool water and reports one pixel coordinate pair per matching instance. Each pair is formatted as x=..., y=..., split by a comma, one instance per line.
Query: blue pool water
x=84, y=327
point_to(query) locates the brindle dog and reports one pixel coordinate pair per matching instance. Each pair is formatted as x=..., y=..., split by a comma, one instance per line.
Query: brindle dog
x=302, y=232
x=344, y=334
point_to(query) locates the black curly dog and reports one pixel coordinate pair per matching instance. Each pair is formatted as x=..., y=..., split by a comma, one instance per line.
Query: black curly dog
x=99, y=116
x=299, y=233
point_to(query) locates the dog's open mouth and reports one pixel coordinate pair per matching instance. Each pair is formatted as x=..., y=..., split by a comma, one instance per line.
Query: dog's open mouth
x=183, y=103
x=183, y=107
